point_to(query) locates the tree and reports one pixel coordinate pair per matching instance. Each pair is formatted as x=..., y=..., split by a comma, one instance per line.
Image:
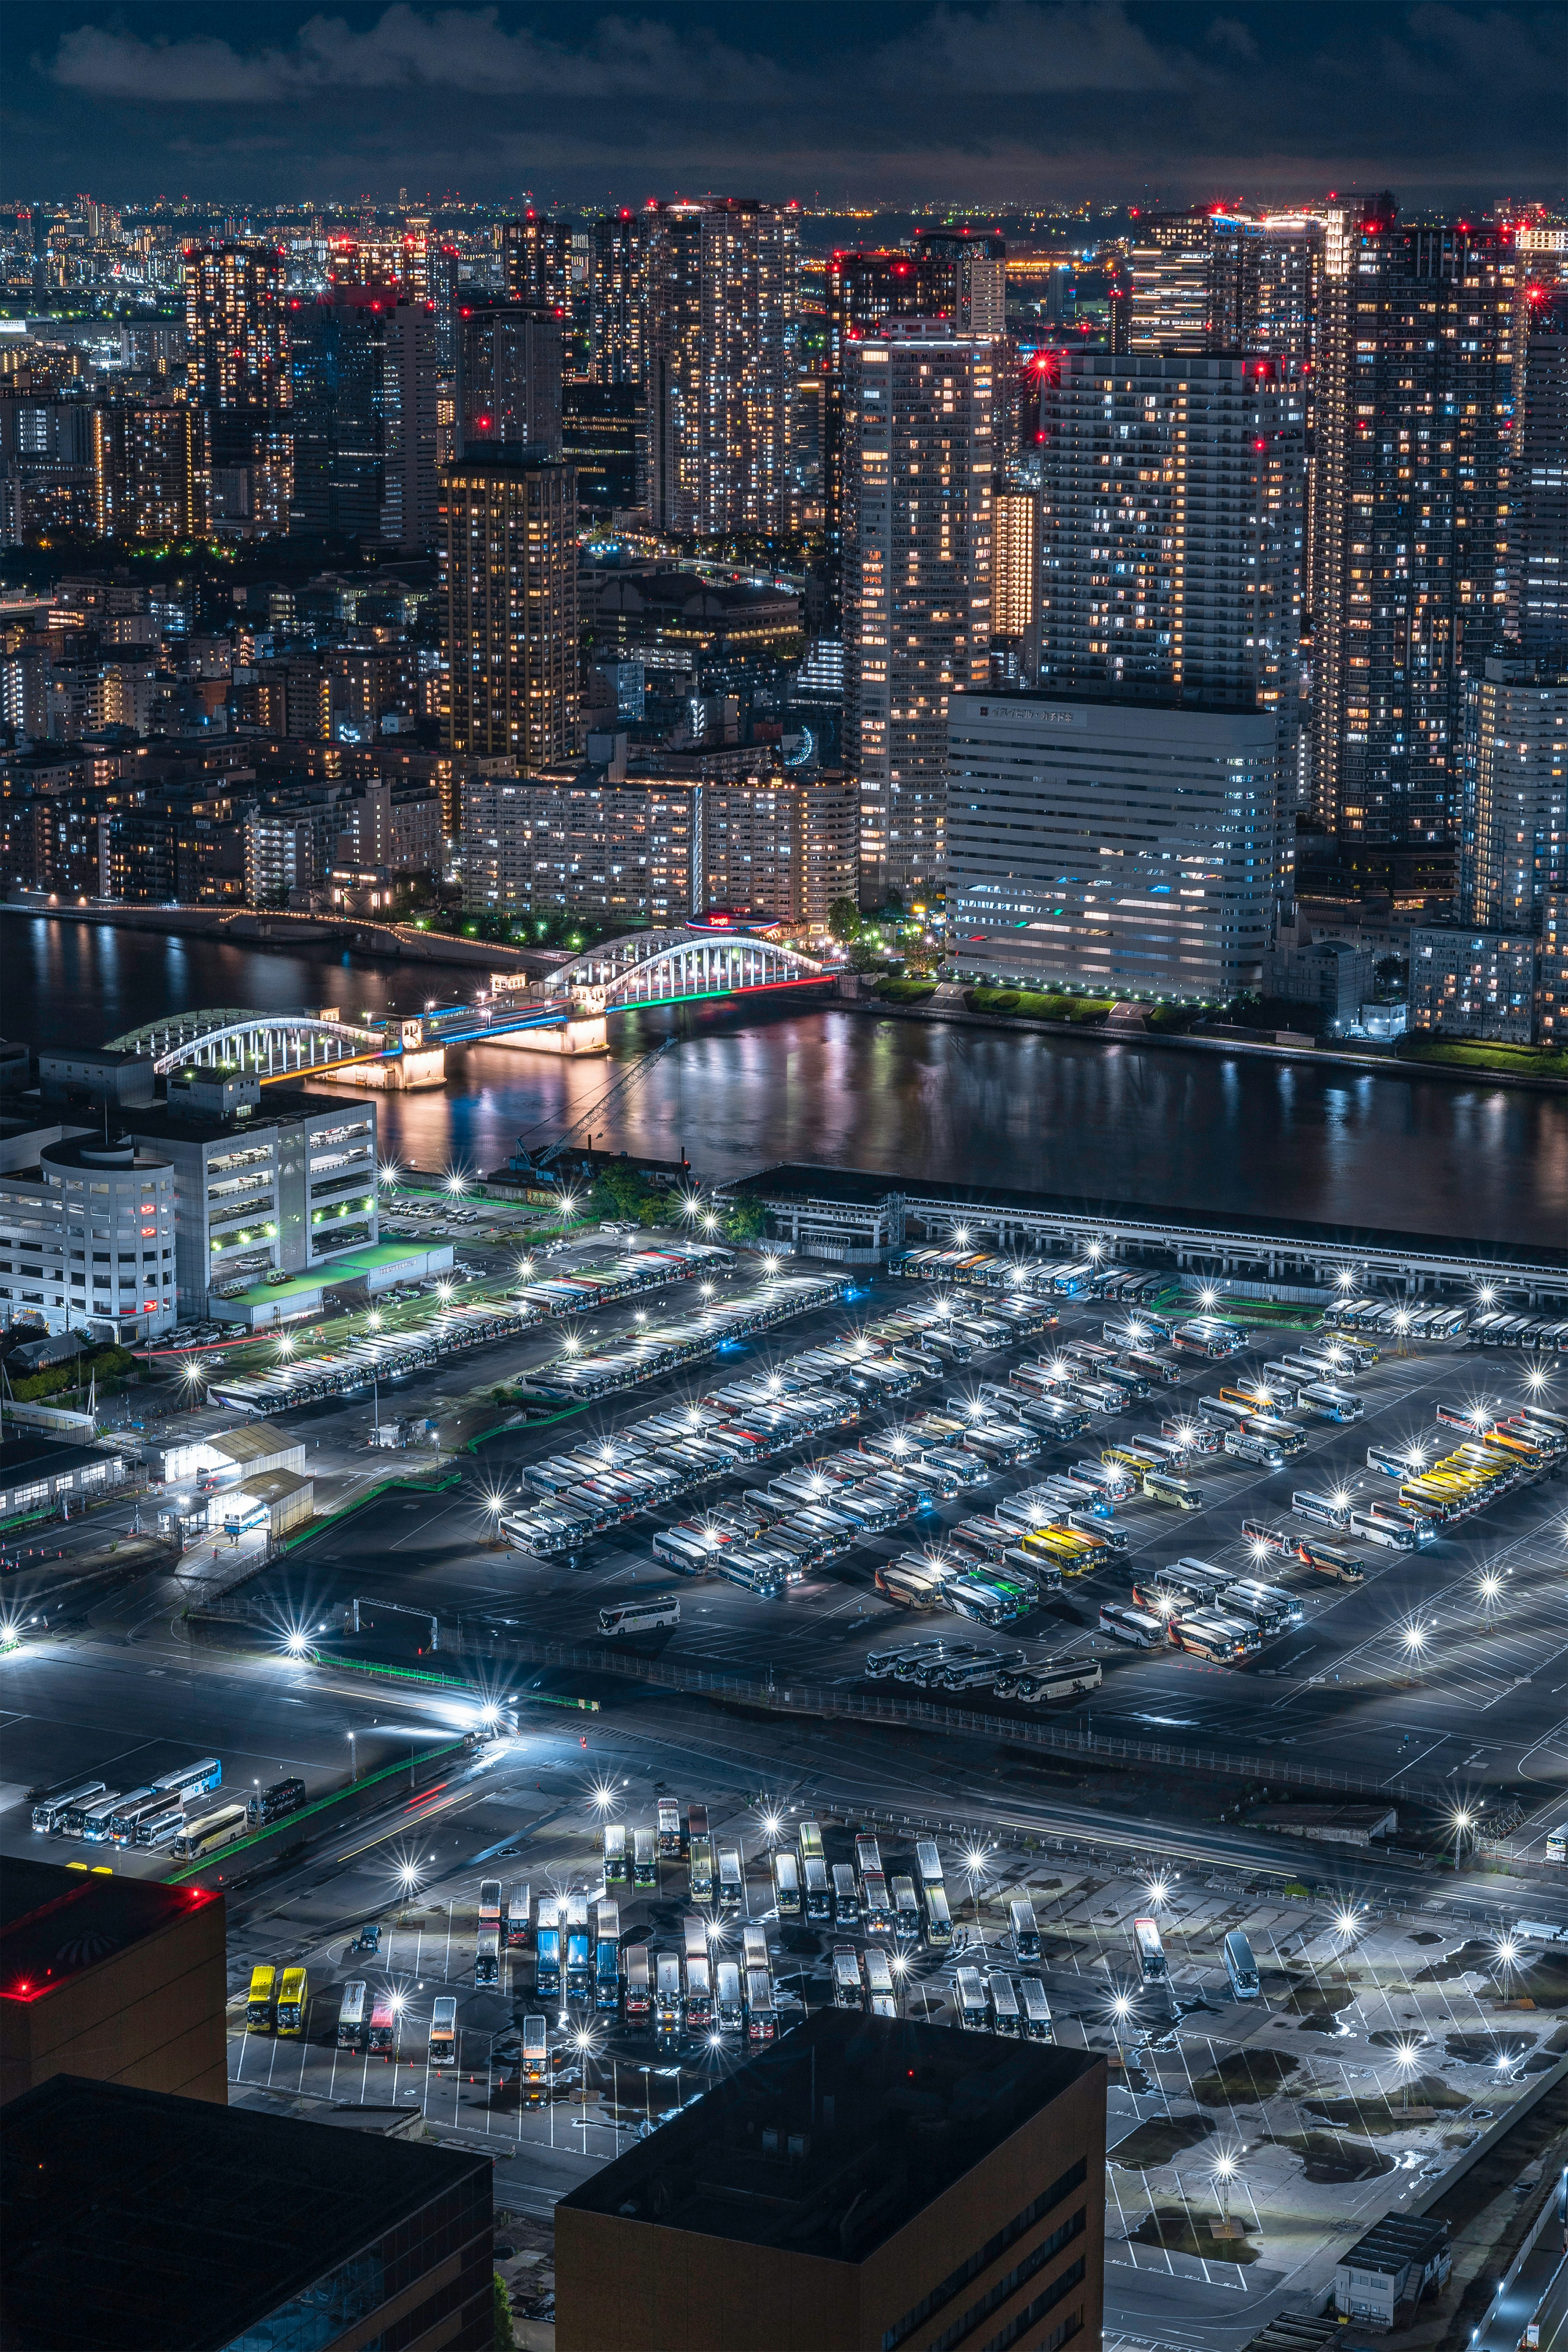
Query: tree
x=844, y=920
x=505, y=2337
x=867, y=951
x=745, y=1219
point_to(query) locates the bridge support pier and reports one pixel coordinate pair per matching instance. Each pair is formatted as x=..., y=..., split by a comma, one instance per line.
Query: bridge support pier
x=581, y=1035
x=410, y=1072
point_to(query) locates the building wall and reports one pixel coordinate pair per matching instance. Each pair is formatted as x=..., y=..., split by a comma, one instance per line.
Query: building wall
x=511, y=577
x=782, y=846
x=1552, y=975
x=917, y=425
x=1514, y=835
x=152, y=2016
x=1471, y=983
x=625, y=2286
x=618, y=851
x=1110, y=845
x=76, y=1247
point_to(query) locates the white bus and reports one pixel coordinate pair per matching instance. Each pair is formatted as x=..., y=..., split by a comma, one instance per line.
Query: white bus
x=1037, y=2009
x=1026, y=1930
x=444, y=2031
x=939, y=1919
x=848, y=1992
x=351, y=2018
x=786, y=1884
x=1003, y=2002
x=970, y=1986
x=1557, y=1843
x=1140, y=1627
x=640, y=1616
x=1151, y=1950
x=879, y=1983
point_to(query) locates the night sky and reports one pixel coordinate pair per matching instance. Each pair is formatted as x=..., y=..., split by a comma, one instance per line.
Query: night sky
x=997, y=104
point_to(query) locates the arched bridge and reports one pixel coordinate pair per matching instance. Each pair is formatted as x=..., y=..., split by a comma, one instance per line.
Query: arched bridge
x=670, y=966
x=271, y=1044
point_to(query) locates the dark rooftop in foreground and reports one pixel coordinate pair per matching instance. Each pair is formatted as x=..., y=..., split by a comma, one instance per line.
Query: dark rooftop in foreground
x=864, y=1188
x=55, y=1923
x=835, y=2137
x=33, y=1454
x=157, y=2224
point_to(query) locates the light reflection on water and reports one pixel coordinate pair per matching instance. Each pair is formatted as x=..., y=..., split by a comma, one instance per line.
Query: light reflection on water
x=1139, y=1124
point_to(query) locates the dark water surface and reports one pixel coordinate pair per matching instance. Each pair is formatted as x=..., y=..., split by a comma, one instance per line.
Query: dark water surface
x=1161, y=1125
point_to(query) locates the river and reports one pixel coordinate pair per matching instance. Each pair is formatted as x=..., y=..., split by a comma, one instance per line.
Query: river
x=1173, y=1128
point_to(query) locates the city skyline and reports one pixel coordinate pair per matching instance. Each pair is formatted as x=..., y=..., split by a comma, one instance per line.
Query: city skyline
x=995, y=105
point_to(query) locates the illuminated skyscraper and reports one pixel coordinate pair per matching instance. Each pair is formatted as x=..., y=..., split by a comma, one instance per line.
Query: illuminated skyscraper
x=509, y=571
x=509, y=376
x=146, y=484
x=969, y=269
x=1408, y=538
x=1195, y=283
x=338, y=367
x=536, y=258
x=1015, y=579
x=1538, y=528
x=617, y=297
x=720, y=365
x=918, y=433
x=411, y=511
x=237, y=373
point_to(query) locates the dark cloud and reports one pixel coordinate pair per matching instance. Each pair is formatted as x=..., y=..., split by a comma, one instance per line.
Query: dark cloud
x=997, y=99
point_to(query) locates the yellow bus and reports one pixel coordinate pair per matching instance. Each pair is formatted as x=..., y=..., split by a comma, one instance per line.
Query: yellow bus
x=259, y=2018
x=293, y=1999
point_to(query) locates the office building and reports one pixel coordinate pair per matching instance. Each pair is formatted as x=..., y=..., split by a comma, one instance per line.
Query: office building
x=1015, y=520
x=146, y=484
x=338, y=369
x=1538, y=530
x=617, y=299
x=89, y=1236
x=862, y=2183
x=1515, y=830
x=917, y=583
x=863, y=292
x=603, y=438
x=224, y=2227
x=509, y=378
x=1552, y=975
x=237, y=346
x=410, y=494
x=109, y=1976
x=1406, y=550
x=625, y=852
x=781, y=847
x=509, y=573
x=285, y=1187
x=720, y=365
x=536, y=262
x=1126, y=848
x=1195, y=283
x=1472, y=983
x=1289, y=282
x=968, y=268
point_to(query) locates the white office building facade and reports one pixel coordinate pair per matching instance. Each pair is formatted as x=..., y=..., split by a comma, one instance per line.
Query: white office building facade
x=1129, y=850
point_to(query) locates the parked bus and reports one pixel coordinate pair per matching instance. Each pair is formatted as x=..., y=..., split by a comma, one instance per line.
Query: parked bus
x=52, y=1804
x=293, y=2000
x=846, y=1898
x=818, y=1893
x=645, y=1866
x=283, y=1798
x=880, y=1998
x=868, y=1858
x=258, y=2014
x=1240, y=1967
x=1319, y=1509
x=699, y=1854
x=383, y=2025
x=753, y=1948
x=1161, y=1487
x=786, y=1882
x=536, y=2058
x=640, y=1616
x=614, y=1853
x=1330, y=1560
x=1026, y=1929
x=188, y=1781
x=761, y=2022
x=150, y=1820
x=1151, y=1950
x=606, y=1972
x=489, y=1903
x=1332, y=1403
x=1557, y=1843
x=1002, y=2003
x=729, y=2006
x=939, y=1919
x=970, y=1988
x=579, y=1965
x=811, y=1848
x=209, y=1831
x=638, y=1993
x=1378, y=1526
x=444, y=2030
x=1036, y=2010
x=667, y=1995
x=732, y=1880
x=848, y=1991
x=669, y=1829
x=519, y=1924
x=1138, y=1627
x=487, y=1957
x=906, y=1906
x=547, y=1950
x=928, y=1862
x=351, y=2020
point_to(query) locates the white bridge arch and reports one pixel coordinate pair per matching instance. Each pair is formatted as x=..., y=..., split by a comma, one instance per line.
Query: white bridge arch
x=655, y=967
x=272, y=1045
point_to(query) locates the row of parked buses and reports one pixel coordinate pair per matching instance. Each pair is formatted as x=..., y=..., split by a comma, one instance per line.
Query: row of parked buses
x=168, y=1813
